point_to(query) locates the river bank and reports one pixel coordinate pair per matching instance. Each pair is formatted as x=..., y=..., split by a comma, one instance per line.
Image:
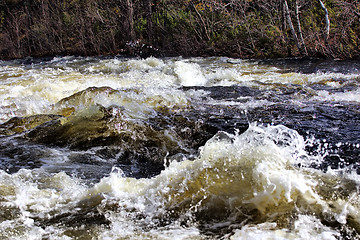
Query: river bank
x=239, y=29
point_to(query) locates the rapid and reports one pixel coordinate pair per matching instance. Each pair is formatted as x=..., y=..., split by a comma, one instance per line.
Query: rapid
x=179, y=148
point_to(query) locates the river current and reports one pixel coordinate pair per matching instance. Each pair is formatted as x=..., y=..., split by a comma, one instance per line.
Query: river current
x=179, y=148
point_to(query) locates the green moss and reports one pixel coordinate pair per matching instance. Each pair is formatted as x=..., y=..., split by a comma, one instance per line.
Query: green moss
x=140, y=26
x=67, y=18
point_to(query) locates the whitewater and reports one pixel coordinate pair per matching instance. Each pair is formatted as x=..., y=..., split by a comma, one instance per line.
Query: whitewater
x=179, y=148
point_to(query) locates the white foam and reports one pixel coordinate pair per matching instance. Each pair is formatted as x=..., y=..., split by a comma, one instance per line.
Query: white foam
x=189, y=74
x=234, y=174
x=28, y=90
x=306, y=227
x=350, y=96
x=255, y=170
x=34, y=194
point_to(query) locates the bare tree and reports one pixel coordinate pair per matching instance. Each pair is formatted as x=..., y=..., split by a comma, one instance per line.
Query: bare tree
x=327, y=20
x=148, y=8
x=302, y=42
x=129, y=22
x=203, y=23
x=292, y=29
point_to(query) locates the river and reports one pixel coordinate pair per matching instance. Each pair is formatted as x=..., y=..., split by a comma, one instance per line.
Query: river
x=179, y=148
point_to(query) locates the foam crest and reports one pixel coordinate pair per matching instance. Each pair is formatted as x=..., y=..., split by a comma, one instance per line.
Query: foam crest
x=189, y=74
x=252, y=178
x=138, y=103
x=29, y=195
x=349, y=96
x=254, y=170
x=306, y=227
x=31, y=89
x=249, y=177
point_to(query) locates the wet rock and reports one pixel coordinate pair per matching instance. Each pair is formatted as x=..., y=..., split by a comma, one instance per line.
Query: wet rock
x=21, y=124
x=138, y=146
x=86, y=212
x=16, y=153
x=81, y=130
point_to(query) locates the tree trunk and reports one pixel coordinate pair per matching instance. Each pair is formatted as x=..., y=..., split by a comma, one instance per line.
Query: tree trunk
x=302, y=42
x=149, y=20
x=327, y=20
x=129, y=23
x=291, y=26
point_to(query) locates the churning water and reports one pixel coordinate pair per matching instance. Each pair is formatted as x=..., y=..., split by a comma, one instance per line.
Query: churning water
x=173, y=148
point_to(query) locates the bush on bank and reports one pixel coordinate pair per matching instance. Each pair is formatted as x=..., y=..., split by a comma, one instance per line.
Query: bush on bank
x=246, y=29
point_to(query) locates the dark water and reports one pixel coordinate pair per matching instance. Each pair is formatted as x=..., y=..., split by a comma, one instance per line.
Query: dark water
x=201, y=148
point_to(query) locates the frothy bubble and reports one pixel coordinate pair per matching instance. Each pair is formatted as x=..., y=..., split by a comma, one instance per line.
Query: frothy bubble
x=189, y=74
x=244, y=177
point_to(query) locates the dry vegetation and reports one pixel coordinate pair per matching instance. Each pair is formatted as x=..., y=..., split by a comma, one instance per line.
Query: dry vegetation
x=247, y=29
